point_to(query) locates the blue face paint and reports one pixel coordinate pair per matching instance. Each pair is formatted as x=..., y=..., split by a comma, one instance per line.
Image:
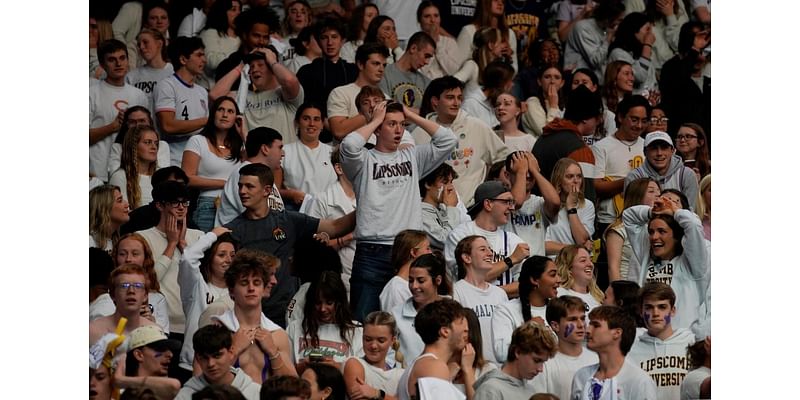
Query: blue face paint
x=668, y=319
x=570, y=328
x=647, y=319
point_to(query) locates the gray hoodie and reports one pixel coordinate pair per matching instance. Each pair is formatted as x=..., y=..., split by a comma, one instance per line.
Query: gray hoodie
x=241, y=381
x=677, y=177
x=664, y=360
x=497, y=385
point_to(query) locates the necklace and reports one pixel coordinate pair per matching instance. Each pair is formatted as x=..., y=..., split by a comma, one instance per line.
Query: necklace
x=626, y=143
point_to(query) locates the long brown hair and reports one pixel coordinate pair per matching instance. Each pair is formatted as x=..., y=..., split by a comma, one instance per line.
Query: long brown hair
x=610, y=93
x=149, y=262
x=129, y=163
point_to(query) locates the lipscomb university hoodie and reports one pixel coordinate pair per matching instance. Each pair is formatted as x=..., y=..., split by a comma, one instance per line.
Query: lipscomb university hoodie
x=664, y=360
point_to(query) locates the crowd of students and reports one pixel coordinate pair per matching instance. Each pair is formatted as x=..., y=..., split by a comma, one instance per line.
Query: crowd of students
x=337, y=199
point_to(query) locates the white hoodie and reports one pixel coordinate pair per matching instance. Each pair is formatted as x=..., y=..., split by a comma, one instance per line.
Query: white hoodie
x=664, y=360
x=689, y=274
x=241, y=381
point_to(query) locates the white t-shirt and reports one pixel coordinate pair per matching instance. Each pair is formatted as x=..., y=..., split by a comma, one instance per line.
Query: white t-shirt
x=556, y=378
x=330, y=342
x=411, y=345
x=187, y=102
x=483, y=302
x=587, y=298
x=505, y=318
x=342, y=101
x=502, y=242
x=272, y=109
x=614, y=159
x=562, y=233
x=105, y=102
x=146, y=79
x=395, y=292
x=630, y=383
x=690, y=387
x=145, y=186
x=379, y=378
x=530, y=223
x=211, y=166
x=294, y=311
x=520, y=143
x=307, y=169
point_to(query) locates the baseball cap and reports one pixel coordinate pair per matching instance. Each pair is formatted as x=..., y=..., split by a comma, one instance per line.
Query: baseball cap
x=152, y=336
x=657, y=135
x=485, y=191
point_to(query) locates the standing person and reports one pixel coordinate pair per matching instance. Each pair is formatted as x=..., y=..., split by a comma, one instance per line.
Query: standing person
x=577, y=276
x=250, y=278
x=152, y=48
x=108, y=210
x=692, y=147
x=496, y=78
x=327, y=328
x=262, y=146
x=211, y=156
x=357, y=29
x=403, y=13
x=216, y=354
x=508, y=110
x=662, y=165
x=385, y=179
x=337, y=200
x=381, y=30
x=129, y=292
x=703, y=209
x=253, y=27
x=329, y=71
x=669, y=243
x=325, y=381
x=697, y=383
x=167, y=240
x=617, y=243
x=307, y=167
x=575, y=223
x=260, y=227
x=408, y=245
x=201, y=276
x=547, y=104
x=138, y=163
x=181, y=104
x=564, y=137
x=567, y=317
x=617, y=155
x=661, y=351
x=611, y=333
x=305, y=48
x=146, y=363
x=455, y=15
x=531, y=346
x=343, y=108
x=478, y=147
x=536, y=213
x=538, y=284
x=219, y=34
x=447, y=59
x=441, y=211
x=403, y=81
x=588, y=40
x=370, y=376
x=633, y=43
x=489, y=14
x=273, y=96
x=427, y=282
x=136, y=116
x=474, y=259
x=491, y=211
x=443, y=327
x=108, y=100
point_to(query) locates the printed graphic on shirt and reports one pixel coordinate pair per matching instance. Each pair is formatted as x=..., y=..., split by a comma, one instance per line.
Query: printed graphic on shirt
x=146, y=86
x=327, y=348
x=407, y=93
x=524, y=26
x=461, y=156
x=392, y=170
x=667, y=370
x=504, y=279
x=484, y=310
x=521, y=219
x=659, y=273
x=463, y=7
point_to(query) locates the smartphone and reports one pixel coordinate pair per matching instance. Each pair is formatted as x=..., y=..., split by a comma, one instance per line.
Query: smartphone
x=316, y=356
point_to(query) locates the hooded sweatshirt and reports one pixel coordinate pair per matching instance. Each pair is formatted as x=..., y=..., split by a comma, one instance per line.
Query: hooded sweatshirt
x=689, y=273
x=561, y=138
x=664, y=360
x=677, y=177
x=241, y=381
x=497, y=385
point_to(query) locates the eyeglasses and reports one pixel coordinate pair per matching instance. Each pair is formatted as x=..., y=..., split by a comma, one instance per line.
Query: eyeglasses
x=685, y=137
x=509, y=202
x=657, y=120
x=128, y=285
x=177, y=203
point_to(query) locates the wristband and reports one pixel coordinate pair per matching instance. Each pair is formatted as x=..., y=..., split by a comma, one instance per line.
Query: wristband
x=270, y=65
x=572, y=211
x=381, y=394
x=508, y=262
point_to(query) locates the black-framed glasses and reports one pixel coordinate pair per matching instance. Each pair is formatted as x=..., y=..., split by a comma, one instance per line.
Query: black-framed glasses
x=685, y=137
x=509, y=202
x=128, y=285
x=175, y=203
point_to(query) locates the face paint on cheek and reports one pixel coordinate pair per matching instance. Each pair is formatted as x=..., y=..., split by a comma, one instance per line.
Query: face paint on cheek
x=647, y=318
x=570, y=328
x=668, y=319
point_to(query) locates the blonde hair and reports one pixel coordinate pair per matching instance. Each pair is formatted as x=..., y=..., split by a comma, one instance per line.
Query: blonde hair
x=559, y=170
x=101, y=201
x=564, y=262
x=702, y=208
